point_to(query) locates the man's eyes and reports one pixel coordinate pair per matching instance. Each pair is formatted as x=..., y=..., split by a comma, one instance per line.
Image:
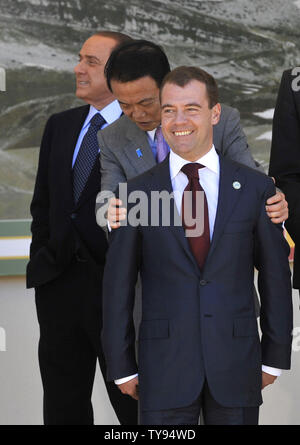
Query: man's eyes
x=192, y=110
x=89, y=61
x=143, y=105
x=93, y=62
x=147, y=104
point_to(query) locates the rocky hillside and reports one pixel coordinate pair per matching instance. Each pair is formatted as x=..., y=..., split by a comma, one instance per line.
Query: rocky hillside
x=246, y=45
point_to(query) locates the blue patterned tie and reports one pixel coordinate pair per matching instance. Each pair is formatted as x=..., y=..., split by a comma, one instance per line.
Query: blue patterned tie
x=87, y=155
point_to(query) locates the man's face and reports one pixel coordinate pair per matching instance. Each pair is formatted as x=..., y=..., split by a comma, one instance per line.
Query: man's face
x=139, y=100
x=90, y=80
x=187, y=121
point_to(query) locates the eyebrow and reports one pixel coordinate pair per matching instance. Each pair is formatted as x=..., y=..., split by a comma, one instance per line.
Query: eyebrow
x=193, y=104
x=148, y=99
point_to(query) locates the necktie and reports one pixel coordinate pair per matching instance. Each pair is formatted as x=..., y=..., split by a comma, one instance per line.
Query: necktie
x=198, y=244
x=87, y=155
x=162, y=148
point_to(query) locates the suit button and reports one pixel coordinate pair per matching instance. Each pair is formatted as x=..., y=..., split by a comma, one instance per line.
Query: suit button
x=203, y=282
x=73, y=215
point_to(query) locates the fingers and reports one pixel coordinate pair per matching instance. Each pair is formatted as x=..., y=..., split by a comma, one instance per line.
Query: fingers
x=279, y=197
x=133, y=392
x=277, y=215
x=130, y=388
x=277, y=208
x=115, y=213
x=267, y=379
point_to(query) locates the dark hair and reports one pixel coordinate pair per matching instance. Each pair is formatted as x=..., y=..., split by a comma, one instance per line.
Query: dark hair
x=135, y=60
x=119, y=37
x=183, y=75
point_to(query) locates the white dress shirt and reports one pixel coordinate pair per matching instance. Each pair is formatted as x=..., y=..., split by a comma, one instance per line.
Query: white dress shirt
x=209, y=178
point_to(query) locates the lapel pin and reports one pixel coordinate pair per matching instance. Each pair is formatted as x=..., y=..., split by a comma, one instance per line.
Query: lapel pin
x=139, y=153
x=236, y=185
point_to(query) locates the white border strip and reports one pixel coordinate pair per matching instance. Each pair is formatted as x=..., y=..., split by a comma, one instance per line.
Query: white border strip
x=14, y=248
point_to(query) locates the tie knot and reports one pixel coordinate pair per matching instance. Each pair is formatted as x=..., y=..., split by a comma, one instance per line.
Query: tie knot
x=191, y=170
x=97, y=121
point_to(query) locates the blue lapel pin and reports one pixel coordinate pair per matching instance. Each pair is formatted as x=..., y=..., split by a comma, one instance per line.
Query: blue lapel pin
x=139, y=153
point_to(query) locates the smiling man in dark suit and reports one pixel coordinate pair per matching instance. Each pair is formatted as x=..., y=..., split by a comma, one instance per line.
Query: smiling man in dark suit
x=68, y=248
x=198, y=341
x=285, y=154
x=129, y=147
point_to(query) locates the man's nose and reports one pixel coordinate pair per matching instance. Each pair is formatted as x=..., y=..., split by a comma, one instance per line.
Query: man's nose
x=79, y=68
x=179, y=118
x=138, y=113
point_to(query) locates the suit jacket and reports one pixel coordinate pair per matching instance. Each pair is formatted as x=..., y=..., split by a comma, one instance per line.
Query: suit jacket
x=285, y=157
x=198, y=325
x=61, y=229
x=119, y=142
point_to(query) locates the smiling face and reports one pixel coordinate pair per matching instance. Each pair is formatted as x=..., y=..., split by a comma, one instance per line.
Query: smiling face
x=187, y=121
x=90, y=80
x=139, y=100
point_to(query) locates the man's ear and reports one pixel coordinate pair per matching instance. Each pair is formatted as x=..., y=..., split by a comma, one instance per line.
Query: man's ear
x=216, y=113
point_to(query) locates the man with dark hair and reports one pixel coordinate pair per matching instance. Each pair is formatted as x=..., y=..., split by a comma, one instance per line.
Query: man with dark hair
x=285, y=155
x=68, y=248
x=199, y=345
x=133, y=62
x=134, y=143
x=184, y=75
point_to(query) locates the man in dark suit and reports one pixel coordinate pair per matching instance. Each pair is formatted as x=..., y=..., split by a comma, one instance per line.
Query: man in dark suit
x=68, y=248
x=129, y=147
x=198, y=341
x=285, y=154
x=134, y=74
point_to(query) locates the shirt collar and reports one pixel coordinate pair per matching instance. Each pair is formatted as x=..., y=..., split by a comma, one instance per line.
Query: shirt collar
x=110, y=113
x=151, y=133
x=209, y=160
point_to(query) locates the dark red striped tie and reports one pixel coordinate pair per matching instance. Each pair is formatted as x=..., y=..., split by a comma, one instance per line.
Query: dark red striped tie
x=199, y=244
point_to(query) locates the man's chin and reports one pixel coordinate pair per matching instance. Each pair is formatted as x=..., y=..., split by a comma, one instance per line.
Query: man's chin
x=80, y=94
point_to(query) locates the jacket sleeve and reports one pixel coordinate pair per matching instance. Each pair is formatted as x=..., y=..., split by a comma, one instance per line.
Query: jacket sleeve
x=112, y=174
x=274, y=284
x=120, y=276
x=39, y=207
x=285, y=150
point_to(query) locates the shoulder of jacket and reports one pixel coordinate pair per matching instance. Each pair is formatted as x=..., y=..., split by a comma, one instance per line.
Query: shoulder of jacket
x=67, y=114
x=117, y=131
x=227, y=110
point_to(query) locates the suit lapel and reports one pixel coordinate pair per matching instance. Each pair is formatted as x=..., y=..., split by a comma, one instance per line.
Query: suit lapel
x=138, y=150
x=71, y=132
x=231, y=186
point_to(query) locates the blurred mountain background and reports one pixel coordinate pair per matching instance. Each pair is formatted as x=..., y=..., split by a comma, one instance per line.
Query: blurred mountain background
x=245, y=44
